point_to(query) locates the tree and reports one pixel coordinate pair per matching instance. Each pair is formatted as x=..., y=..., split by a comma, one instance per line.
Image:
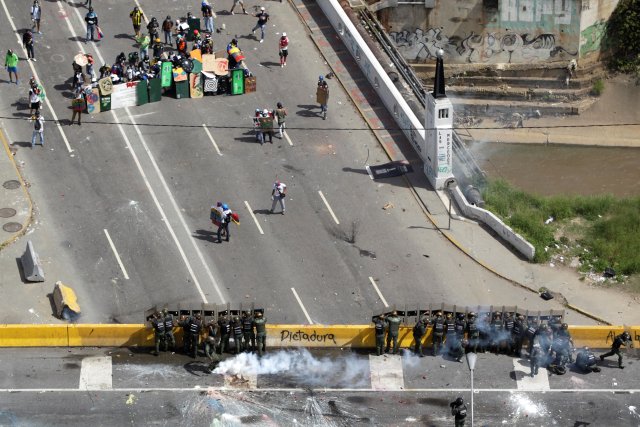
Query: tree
x=622, y=37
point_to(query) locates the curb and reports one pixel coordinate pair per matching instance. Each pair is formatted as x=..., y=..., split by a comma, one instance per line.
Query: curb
x=422, y=204
x=27, y=222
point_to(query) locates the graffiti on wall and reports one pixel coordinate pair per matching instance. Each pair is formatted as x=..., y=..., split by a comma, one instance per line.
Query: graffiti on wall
x=490, y=47
x=527, y=11
x=591, y=37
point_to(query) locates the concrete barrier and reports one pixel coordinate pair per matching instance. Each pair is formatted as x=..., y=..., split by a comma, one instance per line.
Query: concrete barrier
x=31, y=266
x=132, y=335
x=278, y=336
x=34, y=336
x=491, y=220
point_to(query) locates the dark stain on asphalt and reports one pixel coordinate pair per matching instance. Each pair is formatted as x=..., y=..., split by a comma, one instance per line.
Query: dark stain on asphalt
x=436, y=401
x=71, y=366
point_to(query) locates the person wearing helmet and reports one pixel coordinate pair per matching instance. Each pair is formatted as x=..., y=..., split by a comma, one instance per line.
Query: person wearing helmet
x=207, y=16
x=393, y=328
x=517, y=334
x=283, y=49
x=236, y=326
x=248, y=336
x=624, y=339
x=322, y=96
x=158, y=332
x=153, y=27
x=379, y=325
x=241, y=3
x=263, y=18
x=419, y=331
x=170, y=339
x=586, y=361
x=438, y=333
x=538, y=359
x=281, y=116
x=459, y=411
x=167, y=27
x=223, y=227
x=473, y=333
x=225, y=332
x=136, y=16
x=260, y=324
x=278, y=194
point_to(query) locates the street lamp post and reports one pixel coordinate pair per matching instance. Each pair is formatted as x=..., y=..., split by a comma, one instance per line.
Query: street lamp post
x=450, y=184
x=471, y=360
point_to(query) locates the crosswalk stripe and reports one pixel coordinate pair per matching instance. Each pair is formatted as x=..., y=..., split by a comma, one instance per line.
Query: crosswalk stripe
x=96, y=373
x=527, y=383
x=386, y=372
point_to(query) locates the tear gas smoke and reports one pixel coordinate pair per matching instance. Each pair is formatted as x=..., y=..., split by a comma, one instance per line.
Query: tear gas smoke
x=349, y=371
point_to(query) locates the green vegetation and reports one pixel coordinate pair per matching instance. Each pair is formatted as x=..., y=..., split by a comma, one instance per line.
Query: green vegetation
x=601, y=231
x=597, y=88
x=622, y=38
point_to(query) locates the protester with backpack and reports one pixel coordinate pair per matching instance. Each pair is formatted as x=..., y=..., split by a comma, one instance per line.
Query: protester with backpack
x=278, y=194
x=38, y=128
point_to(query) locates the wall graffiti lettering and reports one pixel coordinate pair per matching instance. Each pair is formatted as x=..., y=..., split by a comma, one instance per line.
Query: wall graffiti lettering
x=490, y=47
x=290, y=336
x=516, y=11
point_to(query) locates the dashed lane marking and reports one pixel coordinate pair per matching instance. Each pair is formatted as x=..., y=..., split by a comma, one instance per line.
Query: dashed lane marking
x=373, y=282
x=304, y=310
x=211, y=139
x=329, y=207
x=115, y=252
x=253, y=216
x=286, y=136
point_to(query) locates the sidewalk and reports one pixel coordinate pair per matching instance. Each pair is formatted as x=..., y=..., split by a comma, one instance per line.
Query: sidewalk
x=15, y=203
x=470, y=237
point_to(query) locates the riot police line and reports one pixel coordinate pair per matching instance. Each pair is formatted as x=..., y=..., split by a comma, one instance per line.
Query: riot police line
x=455, y=331
x=211, y=330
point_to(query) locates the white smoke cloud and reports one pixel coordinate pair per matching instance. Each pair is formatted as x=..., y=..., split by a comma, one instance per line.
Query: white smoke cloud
x=349, y=371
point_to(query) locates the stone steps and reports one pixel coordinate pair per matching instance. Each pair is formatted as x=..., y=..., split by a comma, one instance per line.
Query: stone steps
x=543, y=95
x=491, y=107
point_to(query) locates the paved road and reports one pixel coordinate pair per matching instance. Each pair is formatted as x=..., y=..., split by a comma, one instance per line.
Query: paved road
x=139, y=182
x=116, y=387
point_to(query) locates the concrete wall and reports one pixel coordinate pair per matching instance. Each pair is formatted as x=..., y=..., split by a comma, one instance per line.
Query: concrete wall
x=488, y=218
x=489, y=31
x=376, y=75
x=593, y=18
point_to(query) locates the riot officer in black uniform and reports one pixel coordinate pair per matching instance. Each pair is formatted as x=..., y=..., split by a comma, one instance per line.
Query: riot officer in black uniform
x=459, y=411
x=247, y=331
x=473, y=333
x=195, y=327
x=159, y=336
x=237, y=334
x=438, y=332
x=170, y=339
x=586, y=361
x=225, y=333
x=517, y=334
x=419, y=331
x=624, y=339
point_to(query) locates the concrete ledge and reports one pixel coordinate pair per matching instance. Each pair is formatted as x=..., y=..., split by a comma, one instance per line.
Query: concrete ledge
x=34, y=336
x=492, y=221
x=278, y=336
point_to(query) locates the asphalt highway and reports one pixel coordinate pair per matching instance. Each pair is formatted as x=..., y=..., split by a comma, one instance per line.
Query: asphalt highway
x=338, y=388
x=122, y=202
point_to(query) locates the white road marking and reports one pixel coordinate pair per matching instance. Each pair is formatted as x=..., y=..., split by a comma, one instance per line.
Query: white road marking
x=329, y=207
x=538, y=383
x=286, y=136
x=35, y=74
x=386, y=372
x=164, y=183
x=115, y=252
x=368, y=168
x=212, y=140
x=304, y=310
x=144, y=114
x=96, y=373
x=253, y=216
x=384, y=301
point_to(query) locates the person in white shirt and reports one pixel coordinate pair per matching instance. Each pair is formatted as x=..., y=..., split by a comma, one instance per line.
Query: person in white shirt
x=38, y=129
x=36, y=13
x=278, y=194
x=34, y=100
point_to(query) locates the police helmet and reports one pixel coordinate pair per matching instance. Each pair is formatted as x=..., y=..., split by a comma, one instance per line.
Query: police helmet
x=198, y=316
x=459, y=401
x=394, y=313
x=247, y=313
x=382, y=316
x=439, y=314
x=472, y=314
x=565, y=326
x=169, y=17
x=225, y=206
x=460, y=316
x=448, y=315
x=626, y=335
x=90, y=9
x=236, y=319
x=153, y=19
x=259, y=314
x=585, y=348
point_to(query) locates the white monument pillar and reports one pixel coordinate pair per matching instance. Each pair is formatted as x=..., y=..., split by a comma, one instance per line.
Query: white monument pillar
x=438, y=165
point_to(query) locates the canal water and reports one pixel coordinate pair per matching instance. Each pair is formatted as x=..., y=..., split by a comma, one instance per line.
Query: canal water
x=562, y=169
